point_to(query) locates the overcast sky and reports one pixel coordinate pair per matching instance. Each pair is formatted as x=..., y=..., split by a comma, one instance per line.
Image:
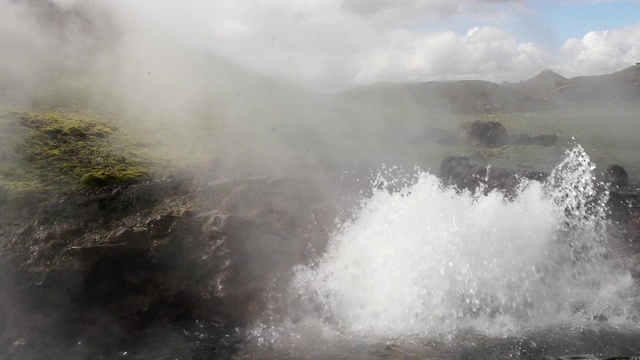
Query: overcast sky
x=334, y=44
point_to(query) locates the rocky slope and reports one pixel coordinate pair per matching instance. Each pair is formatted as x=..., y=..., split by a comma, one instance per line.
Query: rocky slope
x=87, y=274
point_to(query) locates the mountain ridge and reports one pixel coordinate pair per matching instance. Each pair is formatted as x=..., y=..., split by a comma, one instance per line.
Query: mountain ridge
x=547, y=89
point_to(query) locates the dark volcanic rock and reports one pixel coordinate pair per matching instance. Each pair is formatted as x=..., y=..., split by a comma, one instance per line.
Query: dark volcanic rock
x=103, y=267
x=546, y=140
x=624, y=211
x=465, y=174
x=484, y=133
x=616, y=175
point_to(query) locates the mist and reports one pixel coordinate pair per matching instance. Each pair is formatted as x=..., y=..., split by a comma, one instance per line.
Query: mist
x=293, y=151
x=139, y=70
x=158, y=66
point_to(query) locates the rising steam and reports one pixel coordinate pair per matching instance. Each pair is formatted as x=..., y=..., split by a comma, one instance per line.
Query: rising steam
x=421, y=260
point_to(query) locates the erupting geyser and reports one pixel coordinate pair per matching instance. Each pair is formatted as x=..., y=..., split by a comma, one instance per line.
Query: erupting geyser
x=427, y=261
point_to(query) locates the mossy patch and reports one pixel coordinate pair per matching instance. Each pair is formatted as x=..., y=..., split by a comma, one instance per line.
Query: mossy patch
x=120, y=175
x=65, y=151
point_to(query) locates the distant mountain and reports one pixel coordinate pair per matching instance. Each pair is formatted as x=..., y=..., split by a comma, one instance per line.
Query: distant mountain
x=545, y=90
x=620, y=86
x=541, y=85
x=466, y=96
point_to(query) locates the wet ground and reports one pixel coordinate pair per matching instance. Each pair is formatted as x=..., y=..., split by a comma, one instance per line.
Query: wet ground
x=598, y=341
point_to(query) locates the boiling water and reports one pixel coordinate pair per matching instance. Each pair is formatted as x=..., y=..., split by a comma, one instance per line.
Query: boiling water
x=427, y=263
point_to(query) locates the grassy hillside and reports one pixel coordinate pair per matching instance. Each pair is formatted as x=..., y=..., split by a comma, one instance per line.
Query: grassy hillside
x=44, y=151
x=609, y=136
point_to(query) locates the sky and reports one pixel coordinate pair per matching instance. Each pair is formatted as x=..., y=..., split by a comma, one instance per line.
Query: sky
x=337, y=44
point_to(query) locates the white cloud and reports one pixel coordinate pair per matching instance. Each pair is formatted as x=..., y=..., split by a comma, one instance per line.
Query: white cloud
x=340, y=43
x=482, y=53
x=601, y=51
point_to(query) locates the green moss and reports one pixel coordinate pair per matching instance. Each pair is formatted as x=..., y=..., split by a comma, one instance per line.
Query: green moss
x=63, y=151
x=121, y=175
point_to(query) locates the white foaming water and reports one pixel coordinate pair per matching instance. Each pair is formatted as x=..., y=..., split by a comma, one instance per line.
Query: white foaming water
x=429, y=260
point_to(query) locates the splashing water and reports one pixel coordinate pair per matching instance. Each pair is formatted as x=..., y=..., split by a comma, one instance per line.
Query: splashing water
x=429, y=260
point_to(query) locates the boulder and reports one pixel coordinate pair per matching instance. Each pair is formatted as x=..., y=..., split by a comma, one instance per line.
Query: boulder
x=484, y=133
x=545, y=140
x=616, y=175
x=466, y=174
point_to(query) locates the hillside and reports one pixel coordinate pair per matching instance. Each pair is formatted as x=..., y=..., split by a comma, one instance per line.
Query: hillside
x=541, y=86
x=546, y=90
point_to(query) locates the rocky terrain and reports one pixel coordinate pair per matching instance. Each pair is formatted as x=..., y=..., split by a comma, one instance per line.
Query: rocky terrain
x=87, y=274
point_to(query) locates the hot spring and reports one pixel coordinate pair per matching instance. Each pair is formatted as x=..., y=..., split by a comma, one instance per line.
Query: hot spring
x=438, y=270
